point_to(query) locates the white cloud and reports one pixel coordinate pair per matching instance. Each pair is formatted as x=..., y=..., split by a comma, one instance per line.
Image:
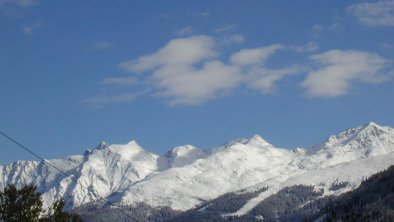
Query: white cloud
x=30, y=29
x=188, y=85
x=125, y=81
x=184, y=31
x=265, y=79
x=181, y=51
x=187, y=70
x=309, y=47
x=232, y=39
x=177, y=75
x=254, y=56
x=378, y=13
x=338, y=69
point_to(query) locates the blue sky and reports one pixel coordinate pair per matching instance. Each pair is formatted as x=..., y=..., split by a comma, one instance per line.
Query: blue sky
x=169, y=73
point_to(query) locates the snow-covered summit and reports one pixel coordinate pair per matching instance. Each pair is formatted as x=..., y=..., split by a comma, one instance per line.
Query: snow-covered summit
x=369, y=139
x=362, y=134
x=258, y=141
x=181, y=156
x=186, y=175
x=364, y=141
x=102, y=145
x=255, y=140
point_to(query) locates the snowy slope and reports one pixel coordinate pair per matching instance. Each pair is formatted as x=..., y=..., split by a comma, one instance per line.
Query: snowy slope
x=185, y=176
x=360, y=142
x=353, y=172
x=109, y=169
x=228, y=169
x=105, y=170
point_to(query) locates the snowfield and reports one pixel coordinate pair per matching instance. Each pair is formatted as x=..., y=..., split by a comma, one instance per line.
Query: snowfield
x=186, y=176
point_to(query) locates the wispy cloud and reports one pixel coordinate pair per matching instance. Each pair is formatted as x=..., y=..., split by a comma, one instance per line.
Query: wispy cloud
x=335, y=26
x=203, y=14
x=377, y=13
x=122, y=81
x=232, y=39
x=256, y=74
x=30, y=29
x=177, y=52
x=102, y=45
x=18, y=3
x=318, y=28
x=226, y=28
x=165, y=16
x=386, y=45
x=309, y=47
x=255, y=55
x=338, y=70
x=265, y=79
x=101, y=100
x=185, y=30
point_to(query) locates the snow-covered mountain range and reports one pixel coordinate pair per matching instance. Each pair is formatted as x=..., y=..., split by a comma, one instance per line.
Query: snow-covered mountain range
x=187, y=176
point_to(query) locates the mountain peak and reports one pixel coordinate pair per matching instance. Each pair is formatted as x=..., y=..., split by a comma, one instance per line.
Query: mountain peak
x=371, y=124
x=368, y=132
x=185, y=176
x=132, y=145
x=182, y=149
x=180, y=156
x=102, y=145
x=257, y=140
x=133, y=142
x=369, y=139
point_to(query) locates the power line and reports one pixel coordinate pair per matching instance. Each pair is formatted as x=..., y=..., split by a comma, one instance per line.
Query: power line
x=62, y=172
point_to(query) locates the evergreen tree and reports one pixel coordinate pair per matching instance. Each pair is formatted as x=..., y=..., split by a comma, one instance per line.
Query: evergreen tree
x=58, y=215
x=23, y=204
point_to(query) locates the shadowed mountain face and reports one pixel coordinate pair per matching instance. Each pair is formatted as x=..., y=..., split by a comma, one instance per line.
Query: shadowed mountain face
x=187, y=176
x=373, y=200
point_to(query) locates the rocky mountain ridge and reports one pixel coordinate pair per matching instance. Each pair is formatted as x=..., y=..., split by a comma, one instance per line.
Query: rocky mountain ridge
x=186, y=176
